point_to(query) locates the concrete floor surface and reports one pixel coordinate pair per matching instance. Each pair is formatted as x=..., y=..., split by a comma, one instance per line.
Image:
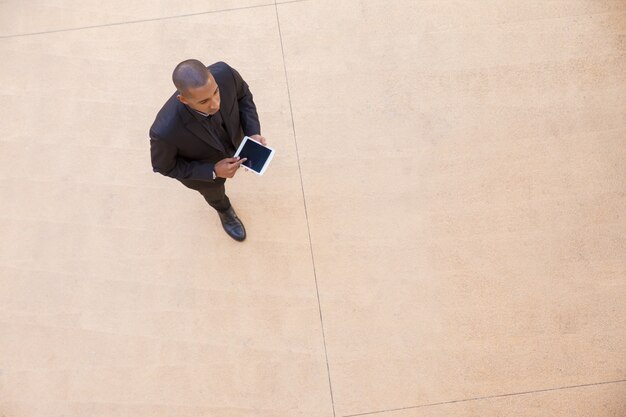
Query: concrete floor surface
x=442, y=231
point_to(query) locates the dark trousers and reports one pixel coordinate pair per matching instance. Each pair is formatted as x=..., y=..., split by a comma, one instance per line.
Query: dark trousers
x=214, y=193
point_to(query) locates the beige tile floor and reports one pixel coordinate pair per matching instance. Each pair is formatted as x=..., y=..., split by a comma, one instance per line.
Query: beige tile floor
x=441, y=233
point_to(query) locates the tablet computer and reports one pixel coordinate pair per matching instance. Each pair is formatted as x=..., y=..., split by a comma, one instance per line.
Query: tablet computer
x=257, y=156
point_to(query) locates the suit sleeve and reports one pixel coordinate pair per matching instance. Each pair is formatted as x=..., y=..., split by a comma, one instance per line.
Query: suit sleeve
x=165, y=160
x=247, y=110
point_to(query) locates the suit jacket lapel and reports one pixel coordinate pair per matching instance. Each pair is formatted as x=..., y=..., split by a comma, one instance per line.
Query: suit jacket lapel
x=227, y=128
x=197, y=129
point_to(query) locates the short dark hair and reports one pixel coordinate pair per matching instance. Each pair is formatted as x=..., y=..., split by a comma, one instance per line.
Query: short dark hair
x=190, y=74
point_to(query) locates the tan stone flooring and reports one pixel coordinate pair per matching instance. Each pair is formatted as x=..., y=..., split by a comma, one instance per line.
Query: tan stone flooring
x=441, y=233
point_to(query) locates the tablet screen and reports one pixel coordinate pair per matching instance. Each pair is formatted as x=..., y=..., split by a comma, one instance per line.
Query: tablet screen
x=256, y=155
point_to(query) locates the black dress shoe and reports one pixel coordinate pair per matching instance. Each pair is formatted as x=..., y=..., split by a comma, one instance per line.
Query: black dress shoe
x=232, y=225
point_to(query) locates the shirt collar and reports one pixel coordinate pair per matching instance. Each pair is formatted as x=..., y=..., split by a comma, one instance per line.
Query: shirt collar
x=202, y=113
x=198, y=114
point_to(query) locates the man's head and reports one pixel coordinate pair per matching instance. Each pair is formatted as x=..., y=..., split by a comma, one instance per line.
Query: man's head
x=196, y=86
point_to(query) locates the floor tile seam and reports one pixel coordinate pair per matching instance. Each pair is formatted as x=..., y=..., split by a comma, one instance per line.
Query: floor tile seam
x=293, y=126
x=156, y=19
x=488, y=397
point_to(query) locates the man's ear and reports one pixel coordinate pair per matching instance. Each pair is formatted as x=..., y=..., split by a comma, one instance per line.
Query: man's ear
x=182, y=99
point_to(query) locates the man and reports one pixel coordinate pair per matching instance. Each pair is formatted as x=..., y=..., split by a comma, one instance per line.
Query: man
x=198, y=130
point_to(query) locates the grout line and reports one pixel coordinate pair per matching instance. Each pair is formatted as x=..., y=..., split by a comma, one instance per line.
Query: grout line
x=306, y=214
x=487, y=397
x=130, y=22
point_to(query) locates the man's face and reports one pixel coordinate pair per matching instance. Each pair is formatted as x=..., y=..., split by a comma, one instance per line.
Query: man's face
x=205, y=99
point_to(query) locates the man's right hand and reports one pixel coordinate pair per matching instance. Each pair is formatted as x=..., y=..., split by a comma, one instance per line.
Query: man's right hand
x=226, y=168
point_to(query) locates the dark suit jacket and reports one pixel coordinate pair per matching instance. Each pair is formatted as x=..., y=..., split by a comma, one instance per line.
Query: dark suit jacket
x=181, y=148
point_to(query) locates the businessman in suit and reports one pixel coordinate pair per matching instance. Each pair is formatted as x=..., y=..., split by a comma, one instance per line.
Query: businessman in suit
x=198, y=130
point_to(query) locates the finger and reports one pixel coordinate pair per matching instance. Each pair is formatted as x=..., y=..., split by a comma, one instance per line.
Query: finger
x=234, y=165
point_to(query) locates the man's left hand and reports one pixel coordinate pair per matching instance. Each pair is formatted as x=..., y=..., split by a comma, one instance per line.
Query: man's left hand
x=260, y=138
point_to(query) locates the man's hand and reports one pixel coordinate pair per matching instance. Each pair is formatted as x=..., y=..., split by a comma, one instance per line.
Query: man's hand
x=260, y=138
x=226, y=168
